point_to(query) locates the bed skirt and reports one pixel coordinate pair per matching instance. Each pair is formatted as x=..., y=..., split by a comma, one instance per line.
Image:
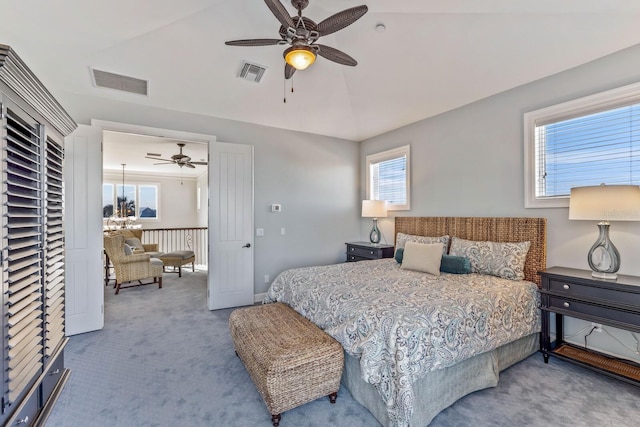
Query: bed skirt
x=441, y=388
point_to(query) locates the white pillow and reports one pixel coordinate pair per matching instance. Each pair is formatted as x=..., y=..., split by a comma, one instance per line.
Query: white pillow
x=425, y=257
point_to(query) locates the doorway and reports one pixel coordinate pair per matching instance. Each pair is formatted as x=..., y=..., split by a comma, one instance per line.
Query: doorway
x=86, y=312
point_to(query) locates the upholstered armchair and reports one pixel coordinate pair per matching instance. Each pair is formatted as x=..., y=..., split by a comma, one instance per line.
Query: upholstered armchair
x=131, y=268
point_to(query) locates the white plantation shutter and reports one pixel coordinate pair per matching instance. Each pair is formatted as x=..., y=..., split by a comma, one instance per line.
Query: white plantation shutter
x=22, y=238
x=54, y=247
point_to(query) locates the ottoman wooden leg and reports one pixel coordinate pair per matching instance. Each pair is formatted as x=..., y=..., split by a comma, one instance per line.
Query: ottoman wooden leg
x=333, y=397
x=275, y=419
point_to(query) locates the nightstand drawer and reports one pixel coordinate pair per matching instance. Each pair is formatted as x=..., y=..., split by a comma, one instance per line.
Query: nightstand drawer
x=363, y=252
x=360, y=251
x=594, y=312
x=593, y=293
x=352, y=258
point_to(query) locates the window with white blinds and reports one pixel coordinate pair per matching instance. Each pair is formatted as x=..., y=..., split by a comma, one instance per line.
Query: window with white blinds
x=585, y=142
x=388, y=177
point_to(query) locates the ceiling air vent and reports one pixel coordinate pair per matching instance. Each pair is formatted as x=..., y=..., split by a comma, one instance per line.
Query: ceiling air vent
x=119, y=82
x=252, y=72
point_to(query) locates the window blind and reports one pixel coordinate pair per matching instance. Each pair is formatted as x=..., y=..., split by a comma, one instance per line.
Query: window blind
x=388, y=180
x=602, y=147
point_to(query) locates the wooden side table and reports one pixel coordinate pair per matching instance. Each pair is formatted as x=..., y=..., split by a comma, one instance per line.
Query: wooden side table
x=575, y=293
x=360, y=251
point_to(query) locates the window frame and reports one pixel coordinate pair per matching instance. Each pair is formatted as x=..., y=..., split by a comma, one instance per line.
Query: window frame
x=393, y=153
x=136, y=186
x=587, y=105
x=139, y=207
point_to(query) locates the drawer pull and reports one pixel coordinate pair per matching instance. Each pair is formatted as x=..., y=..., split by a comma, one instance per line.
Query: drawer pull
x=565, y=286
x=56, y=372
x=566, y=304
x=371, y=252
x=25, y=420
x=352, y=249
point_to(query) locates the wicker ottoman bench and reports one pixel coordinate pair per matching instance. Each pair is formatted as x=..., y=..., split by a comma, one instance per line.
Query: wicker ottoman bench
x=290, y=360
x=177, y=259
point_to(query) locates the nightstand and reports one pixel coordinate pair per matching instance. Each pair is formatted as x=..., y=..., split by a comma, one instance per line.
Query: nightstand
x=360, y=251
x=575, y=293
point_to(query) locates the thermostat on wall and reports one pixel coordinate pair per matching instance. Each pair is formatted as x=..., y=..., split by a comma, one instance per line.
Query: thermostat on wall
x=276, y=207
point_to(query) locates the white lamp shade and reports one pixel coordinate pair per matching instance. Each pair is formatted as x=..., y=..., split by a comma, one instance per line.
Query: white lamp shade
x=374, y=208
x=605, y=203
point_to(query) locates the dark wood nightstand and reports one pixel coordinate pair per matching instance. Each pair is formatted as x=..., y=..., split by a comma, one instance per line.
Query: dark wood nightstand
x=360, y=251
x=575, y=293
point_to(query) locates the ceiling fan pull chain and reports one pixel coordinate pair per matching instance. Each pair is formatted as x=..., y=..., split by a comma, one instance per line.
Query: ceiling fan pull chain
x=284, y=90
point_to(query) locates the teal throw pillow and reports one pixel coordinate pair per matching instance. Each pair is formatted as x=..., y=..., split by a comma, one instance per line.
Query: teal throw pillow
x=448, y=264
x=398, y=255
x=455, y=264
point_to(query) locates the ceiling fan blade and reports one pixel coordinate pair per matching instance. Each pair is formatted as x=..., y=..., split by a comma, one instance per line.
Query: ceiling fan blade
x=255, y=42
x=341, y=19
x=198, y=163
x=288, y=71
x=280, y=12
x=158, y=158
x=336, y=55
x=165, y=163
x=189, y=165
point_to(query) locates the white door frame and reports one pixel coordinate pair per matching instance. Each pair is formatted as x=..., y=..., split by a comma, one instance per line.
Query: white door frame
x=101, y=126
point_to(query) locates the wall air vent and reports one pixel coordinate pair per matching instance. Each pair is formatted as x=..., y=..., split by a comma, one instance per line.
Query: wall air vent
x=119, y=82
x=252, y=72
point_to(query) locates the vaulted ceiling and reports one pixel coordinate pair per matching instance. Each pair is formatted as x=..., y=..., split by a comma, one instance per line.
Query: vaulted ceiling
x=433, y=56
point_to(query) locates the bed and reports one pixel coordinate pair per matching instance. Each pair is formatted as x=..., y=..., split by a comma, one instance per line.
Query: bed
x=414, y=342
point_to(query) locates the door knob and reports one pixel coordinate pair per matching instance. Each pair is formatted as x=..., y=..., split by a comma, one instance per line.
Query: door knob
x=248, y=245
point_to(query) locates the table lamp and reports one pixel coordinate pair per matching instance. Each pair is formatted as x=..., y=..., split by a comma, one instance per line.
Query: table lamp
x=605, y=203
x=374, y=209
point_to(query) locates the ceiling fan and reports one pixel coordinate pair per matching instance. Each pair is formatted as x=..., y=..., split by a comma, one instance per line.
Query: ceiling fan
x=179, y=159
x=302, y=34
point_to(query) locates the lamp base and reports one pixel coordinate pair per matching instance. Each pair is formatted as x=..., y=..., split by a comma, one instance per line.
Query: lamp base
x=607, y=276
x=374, y=235
x=604, y=258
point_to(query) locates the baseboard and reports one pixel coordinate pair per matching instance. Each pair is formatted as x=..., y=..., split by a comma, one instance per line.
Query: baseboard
x=259, y=297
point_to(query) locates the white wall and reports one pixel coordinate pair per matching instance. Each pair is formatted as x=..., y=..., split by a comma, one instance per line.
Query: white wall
x=313, y=177
x=177, y=198
x=469, y=162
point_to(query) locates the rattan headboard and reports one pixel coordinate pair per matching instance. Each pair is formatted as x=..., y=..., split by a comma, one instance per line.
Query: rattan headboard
x=533, y=230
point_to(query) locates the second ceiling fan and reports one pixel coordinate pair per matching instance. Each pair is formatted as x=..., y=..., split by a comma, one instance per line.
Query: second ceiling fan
x=179, y=159
x=302, y=34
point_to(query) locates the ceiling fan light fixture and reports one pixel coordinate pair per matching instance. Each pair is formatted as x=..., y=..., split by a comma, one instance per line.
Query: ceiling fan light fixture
x=299, y=57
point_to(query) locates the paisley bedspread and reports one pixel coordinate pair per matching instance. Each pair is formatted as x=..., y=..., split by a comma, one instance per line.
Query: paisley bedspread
x=403, y=324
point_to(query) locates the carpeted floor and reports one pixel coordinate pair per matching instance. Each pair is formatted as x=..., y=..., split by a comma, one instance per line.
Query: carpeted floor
x=163, y=359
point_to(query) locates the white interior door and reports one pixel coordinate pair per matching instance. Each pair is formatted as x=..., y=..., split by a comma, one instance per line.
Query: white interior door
x=230, y=225
x=83, y=230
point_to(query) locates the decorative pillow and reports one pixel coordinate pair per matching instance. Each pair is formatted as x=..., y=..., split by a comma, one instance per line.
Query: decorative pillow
x=399, y=255
x=135, y=243
x=504, y=260
x=128, y=250
x=448, y=263
x=402, y=239
x=422, y=257
x=455, y=264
